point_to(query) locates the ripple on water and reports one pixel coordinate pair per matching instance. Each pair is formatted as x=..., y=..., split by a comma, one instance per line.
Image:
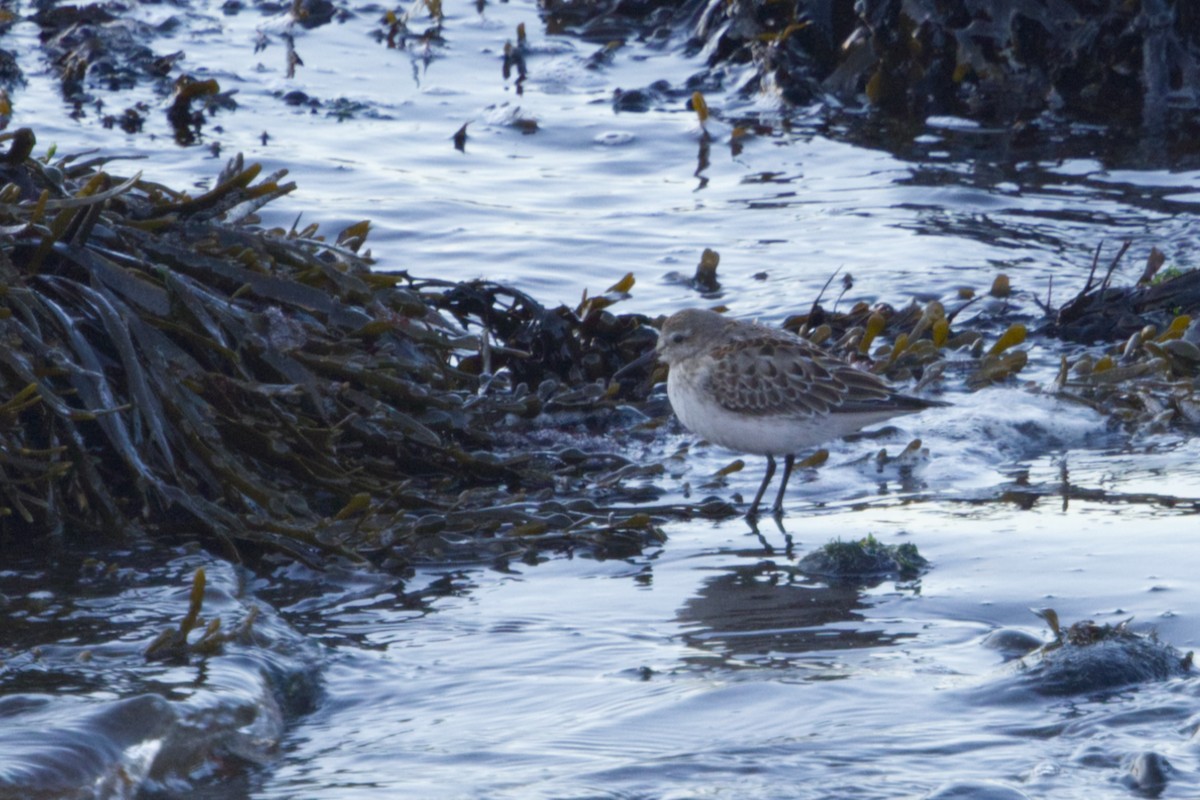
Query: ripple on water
x=614, y=138
x=85, y=713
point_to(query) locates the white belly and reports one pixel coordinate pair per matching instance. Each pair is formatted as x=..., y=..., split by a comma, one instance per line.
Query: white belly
x=761, y=434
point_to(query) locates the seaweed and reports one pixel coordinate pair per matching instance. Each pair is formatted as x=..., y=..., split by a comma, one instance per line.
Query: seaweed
x=864, y=559
x=167, y=366
x=1003, y=62
x=172, y=644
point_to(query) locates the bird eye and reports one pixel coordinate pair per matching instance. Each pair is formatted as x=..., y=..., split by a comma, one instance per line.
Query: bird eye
x=677, y=338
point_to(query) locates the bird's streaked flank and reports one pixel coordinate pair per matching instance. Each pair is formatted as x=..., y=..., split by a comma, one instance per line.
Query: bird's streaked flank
x=762, y=390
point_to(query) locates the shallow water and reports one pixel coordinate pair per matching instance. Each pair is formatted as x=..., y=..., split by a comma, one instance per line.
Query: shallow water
x=713, y=667
x=709, y=667
x=595, y=193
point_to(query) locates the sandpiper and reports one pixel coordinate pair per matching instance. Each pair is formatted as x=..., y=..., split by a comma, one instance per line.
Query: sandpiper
x=763, y=390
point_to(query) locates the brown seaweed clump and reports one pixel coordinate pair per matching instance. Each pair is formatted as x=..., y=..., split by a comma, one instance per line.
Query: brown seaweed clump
x=1143, y=366
x=167, y=366
x=920, y=342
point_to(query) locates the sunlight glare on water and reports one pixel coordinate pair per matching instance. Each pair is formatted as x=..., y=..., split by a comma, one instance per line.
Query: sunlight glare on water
x=592, y=193
x=699, y=667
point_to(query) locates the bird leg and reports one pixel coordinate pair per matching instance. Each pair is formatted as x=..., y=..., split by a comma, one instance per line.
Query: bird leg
x=789, y=461
x=753, y=512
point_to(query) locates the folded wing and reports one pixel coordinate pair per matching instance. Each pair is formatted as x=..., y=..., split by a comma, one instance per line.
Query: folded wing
x=776, y=376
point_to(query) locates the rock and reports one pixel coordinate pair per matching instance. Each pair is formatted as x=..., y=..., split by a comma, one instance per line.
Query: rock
x=1147, y=773
x=976, y=790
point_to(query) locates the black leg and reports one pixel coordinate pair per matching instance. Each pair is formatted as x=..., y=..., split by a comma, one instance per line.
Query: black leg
x=753, y=512
x=789, y=461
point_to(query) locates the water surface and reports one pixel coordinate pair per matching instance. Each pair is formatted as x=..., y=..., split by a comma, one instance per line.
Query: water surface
x=710, y=666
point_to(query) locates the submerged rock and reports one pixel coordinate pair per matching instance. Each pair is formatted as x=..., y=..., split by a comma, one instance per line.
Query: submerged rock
x=85, y=714
x=1147, y=774
x=976, y=790
x=1012, y=643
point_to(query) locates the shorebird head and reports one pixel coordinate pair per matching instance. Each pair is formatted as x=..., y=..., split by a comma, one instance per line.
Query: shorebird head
x=687, y=333
x=684, y=334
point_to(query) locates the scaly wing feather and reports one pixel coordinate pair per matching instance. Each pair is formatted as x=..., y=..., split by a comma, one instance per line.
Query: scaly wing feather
x=774, y=375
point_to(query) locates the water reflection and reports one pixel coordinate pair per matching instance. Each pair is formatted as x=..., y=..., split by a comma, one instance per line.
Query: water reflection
x=703, y=162
x=767, y=615
x=789, y=550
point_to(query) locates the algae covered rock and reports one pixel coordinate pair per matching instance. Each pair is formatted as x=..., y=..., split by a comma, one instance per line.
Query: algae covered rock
x=864, y=559
x=1087, y=657
x=1090, y=658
